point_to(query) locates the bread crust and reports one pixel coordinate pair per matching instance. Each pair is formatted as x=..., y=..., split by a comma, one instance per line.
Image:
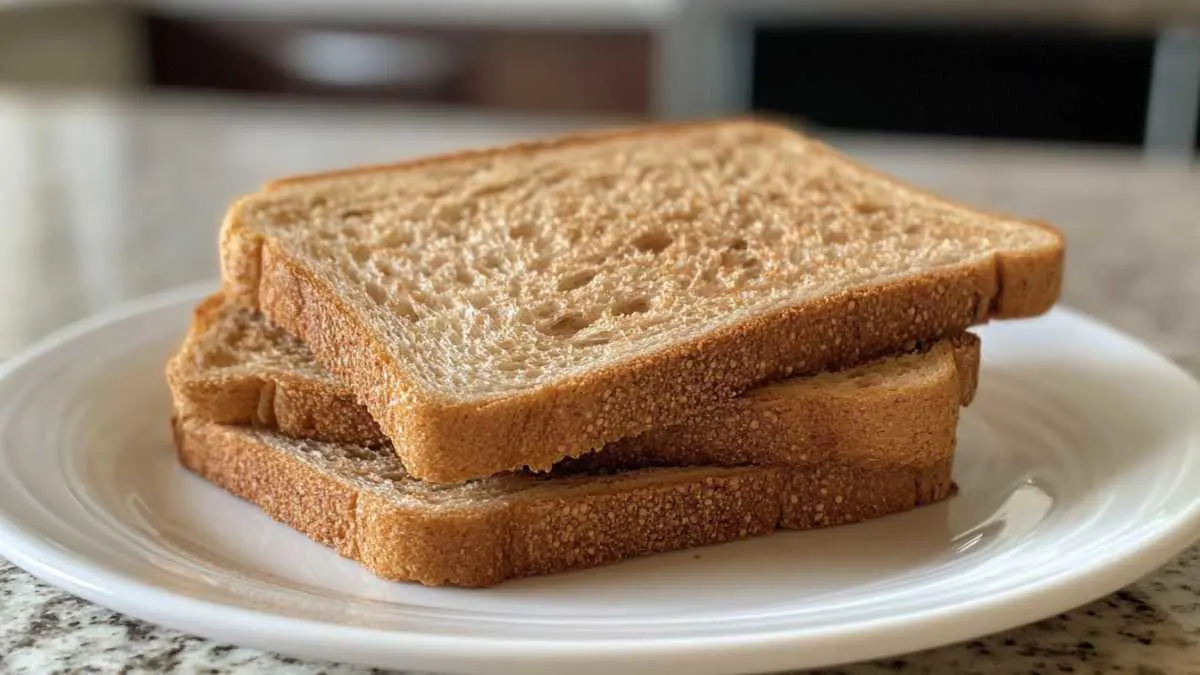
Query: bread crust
x=555, y=524
x=448, y=442
x=907, y=402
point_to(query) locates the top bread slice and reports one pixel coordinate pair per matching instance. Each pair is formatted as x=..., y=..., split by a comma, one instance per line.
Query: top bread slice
x=516, y=306
x=235, y=368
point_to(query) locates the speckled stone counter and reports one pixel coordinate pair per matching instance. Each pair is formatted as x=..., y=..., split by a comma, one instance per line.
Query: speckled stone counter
x=108, y=199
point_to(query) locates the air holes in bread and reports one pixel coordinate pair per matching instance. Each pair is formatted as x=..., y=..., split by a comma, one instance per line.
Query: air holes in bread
x=387, y=267
x=836, y=236
x=404, y=308
x=357, y=214
x=520, y=231
x=631, y=306
x=377, y=293
x=737, y=244
x=395, y=238
x=478, y=299
x=361, y=254
x=732, y=258
x=594, y=340
x=566, y=325
x=576, y=280
x=654, y=241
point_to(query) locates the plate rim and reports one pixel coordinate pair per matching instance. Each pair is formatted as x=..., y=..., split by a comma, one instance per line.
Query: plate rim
x=809, y=647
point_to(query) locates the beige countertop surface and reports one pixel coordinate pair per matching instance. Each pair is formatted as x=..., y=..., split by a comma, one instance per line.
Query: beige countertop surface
x=107, y=198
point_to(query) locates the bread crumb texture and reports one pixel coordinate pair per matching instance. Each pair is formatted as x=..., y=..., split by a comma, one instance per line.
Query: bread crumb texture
x=503, y=272
x=235, y=367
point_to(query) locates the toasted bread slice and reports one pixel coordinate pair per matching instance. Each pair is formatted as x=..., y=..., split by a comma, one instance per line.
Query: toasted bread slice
x=236, y=368
x=359, y=501
x=514, y=307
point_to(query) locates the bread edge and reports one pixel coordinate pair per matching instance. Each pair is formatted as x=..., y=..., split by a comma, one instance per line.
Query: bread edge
x=779, y=425
x=549, y=529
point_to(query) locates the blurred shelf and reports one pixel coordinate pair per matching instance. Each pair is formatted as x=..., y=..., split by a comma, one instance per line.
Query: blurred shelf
x=592, y=14
x=1116, y=71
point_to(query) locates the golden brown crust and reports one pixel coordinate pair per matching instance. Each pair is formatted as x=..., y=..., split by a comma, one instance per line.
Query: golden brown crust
x=889, y=419
x=446, y=442
x=558, y=524
x=320, y=506
x=908, y=401
x=1030, y=281
x=967, y=356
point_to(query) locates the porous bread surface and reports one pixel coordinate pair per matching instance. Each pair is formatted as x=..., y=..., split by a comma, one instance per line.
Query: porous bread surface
x=907, y=402
x=359, y=501
x=499, y=296
x=507, y=274
x=232, y=339
x=234, y=367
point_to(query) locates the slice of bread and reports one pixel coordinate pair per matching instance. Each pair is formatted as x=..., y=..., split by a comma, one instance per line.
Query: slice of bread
x=236, y=368
x=513, y=307
x=360, y=502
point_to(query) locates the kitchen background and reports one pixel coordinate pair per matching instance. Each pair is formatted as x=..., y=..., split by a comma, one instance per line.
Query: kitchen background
x=1093, y=71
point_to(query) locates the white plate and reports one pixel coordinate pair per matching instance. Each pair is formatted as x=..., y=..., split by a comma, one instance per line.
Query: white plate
x=1077, y=465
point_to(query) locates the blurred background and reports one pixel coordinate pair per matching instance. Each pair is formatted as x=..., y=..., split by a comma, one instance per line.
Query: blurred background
x=1103, y=71
x=126, y=127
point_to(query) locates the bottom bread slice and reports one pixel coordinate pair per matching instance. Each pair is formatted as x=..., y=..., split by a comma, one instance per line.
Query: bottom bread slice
x=359, y=501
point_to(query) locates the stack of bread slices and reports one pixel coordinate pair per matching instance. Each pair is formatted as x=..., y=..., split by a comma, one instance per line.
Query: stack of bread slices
x=556, y=355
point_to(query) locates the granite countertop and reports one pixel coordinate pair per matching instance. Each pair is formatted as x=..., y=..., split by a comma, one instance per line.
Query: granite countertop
x=111, y=198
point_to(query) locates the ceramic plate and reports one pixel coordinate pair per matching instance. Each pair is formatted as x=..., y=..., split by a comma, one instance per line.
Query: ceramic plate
x=1078, y=467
